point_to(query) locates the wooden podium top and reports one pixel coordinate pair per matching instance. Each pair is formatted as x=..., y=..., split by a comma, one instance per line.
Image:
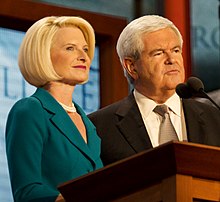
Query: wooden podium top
x=144, y=169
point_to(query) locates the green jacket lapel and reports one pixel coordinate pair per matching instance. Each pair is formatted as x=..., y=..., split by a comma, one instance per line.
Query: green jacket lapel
x=63, y=122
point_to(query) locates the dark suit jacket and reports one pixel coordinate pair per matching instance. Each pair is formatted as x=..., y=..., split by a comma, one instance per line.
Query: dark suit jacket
x=123, y=133
x=45, y=149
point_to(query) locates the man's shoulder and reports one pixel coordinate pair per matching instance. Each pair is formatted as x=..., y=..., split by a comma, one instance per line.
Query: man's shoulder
x=110, y=108
x=198, y=105
x=124, y=103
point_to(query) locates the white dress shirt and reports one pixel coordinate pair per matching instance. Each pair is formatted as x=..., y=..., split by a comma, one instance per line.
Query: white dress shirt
x=152, y=120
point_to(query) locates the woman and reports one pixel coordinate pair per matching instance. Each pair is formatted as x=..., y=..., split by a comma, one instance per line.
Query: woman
x=49, y=139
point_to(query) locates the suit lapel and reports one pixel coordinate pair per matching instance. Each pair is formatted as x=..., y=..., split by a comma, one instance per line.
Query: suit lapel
x=131, y=125
x=195, y=121
x=62, y=121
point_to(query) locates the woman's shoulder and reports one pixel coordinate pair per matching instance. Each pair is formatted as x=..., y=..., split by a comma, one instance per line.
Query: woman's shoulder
x=26, y=105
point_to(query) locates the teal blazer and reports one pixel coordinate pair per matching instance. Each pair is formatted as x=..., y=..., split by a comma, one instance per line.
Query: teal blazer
x=44, y=147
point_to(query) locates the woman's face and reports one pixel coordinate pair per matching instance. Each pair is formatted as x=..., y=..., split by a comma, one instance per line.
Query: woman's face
x=69, y=55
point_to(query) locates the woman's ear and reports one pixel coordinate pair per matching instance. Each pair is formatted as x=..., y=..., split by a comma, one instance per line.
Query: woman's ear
x=129, y=65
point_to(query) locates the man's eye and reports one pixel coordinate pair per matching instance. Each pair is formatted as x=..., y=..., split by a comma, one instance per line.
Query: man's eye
x=177, y=50
x=158, y=53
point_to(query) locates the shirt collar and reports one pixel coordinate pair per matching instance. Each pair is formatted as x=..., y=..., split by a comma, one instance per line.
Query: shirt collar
x=174, y=103
x=147, y=105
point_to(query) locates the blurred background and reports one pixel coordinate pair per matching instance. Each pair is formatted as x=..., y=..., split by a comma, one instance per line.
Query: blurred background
x=198, y=21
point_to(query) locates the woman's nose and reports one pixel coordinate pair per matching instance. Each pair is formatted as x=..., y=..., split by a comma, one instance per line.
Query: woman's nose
x=82, y=56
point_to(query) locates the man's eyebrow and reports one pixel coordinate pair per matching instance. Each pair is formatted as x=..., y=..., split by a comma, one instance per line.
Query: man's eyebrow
x=162, y=49
x=178, y=46
x=155, y=50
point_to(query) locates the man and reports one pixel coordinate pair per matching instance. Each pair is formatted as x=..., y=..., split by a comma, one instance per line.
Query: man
x=150, y=51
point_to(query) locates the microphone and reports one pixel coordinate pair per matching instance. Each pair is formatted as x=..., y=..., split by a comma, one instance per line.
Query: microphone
x=183, y=91
x=196, y=87
x=193, y=88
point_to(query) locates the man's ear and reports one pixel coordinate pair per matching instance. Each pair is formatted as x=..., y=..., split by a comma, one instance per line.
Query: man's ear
x=130, y=67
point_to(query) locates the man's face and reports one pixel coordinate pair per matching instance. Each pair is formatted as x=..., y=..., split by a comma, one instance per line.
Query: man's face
x=160, y=66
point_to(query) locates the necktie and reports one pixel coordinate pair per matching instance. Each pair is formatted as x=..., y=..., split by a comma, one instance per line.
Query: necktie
x=167, y=131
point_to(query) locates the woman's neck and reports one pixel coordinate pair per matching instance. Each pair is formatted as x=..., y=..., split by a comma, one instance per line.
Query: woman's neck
x=61, y=92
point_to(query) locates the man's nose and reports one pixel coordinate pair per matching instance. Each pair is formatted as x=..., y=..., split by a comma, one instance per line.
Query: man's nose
x=169, y=58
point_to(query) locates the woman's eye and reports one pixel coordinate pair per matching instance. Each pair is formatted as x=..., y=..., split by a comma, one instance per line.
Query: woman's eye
x=86, y=50
x=70, y=48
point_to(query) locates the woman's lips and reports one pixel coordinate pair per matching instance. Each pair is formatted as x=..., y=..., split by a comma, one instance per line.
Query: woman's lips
x=80, y=67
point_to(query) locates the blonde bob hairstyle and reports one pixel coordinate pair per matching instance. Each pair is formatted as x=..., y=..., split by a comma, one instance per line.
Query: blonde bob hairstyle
x=34, y=58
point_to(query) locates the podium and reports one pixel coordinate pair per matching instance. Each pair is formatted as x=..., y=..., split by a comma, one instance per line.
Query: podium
x=173, y=172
